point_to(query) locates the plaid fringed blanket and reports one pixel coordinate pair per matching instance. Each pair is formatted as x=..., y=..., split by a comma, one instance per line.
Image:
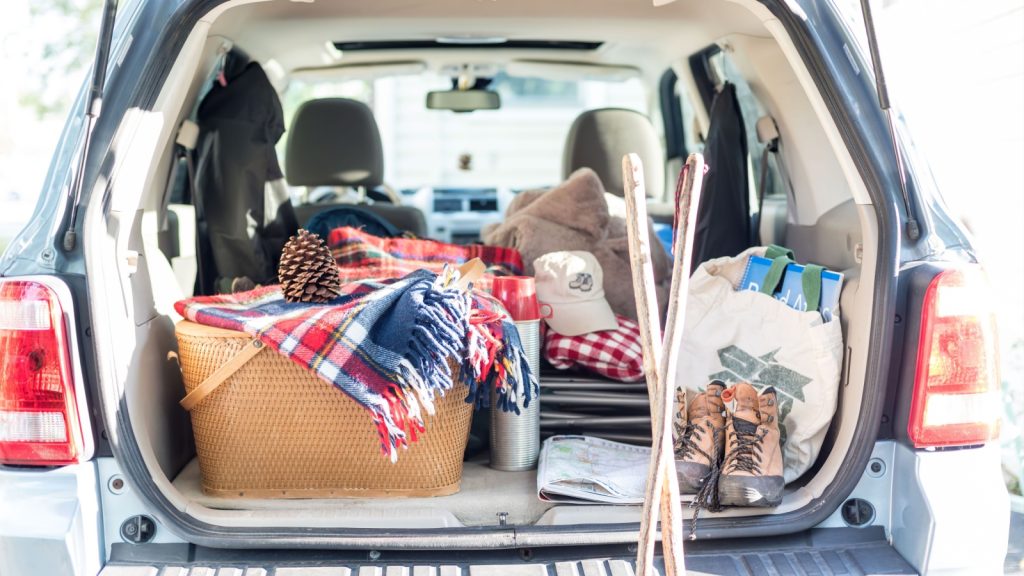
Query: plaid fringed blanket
x=386, y=344
x=361, y=255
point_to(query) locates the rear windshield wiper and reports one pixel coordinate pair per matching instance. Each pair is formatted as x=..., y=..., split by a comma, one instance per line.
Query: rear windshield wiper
x=92, y=112
x=913, y=229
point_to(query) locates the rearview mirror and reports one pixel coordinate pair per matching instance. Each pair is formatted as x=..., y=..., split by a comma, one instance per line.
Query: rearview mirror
x=463, y=100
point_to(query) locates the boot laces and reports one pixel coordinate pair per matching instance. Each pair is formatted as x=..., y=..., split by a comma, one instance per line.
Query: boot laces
x=707, y=497
x=688, y=441
x=744, y=451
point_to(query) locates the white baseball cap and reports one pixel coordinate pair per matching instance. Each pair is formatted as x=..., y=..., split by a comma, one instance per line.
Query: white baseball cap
x=570, y=289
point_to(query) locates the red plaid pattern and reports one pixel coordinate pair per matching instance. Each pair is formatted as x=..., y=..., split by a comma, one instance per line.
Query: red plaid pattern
x=361, y=255
x=614, y=354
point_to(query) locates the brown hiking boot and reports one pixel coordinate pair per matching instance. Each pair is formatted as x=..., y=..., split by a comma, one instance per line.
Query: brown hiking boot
x=699, y=444
x=752, y=469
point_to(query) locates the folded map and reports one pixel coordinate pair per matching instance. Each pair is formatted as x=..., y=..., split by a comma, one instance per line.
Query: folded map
x=583, y=470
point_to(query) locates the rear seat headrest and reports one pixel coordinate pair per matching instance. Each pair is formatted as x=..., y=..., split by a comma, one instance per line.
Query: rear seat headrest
x=598, y=139
x=334, y=142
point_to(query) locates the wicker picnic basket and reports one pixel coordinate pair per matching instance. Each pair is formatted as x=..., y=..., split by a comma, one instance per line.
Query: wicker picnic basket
x=272, y=429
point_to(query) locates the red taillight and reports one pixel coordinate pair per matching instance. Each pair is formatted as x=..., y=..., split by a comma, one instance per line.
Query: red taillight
x=956, y=390
x=38, y=412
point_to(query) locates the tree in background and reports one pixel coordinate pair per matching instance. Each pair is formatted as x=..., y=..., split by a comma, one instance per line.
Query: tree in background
x=69, y=29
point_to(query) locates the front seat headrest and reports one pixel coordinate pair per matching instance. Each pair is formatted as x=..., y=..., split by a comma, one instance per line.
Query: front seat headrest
x=334, y=142
x=598, y=139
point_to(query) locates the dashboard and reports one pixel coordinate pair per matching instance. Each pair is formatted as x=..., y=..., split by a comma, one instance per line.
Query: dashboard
x=457, y=215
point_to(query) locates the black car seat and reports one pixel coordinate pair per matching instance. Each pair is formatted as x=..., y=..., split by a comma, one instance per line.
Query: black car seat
x=598, y=139
x=335, y=142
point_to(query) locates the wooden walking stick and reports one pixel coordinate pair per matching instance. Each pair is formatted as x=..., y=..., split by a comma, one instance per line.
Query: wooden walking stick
x=660, y=356
x=687, y=201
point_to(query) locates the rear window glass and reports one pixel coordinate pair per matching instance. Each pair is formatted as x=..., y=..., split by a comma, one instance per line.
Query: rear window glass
x=518, y=146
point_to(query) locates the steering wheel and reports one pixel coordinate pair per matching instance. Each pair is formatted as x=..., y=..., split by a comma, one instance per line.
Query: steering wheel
x=383, y=194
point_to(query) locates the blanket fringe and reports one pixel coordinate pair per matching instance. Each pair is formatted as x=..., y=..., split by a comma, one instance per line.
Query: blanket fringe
x=505, y=369
x=441, y=327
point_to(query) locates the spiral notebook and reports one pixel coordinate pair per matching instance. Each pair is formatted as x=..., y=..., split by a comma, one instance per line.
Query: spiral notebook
x=791, y=291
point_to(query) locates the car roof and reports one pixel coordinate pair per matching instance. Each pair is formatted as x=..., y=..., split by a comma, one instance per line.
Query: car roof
x=628, y=33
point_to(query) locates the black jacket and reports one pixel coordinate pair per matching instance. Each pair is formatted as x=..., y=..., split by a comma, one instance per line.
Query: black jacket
x=242, y=224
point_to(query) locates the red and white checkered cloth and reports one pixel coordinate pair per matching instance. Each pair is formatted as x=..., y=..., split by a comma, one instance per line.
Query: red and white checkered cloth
x=614, y=354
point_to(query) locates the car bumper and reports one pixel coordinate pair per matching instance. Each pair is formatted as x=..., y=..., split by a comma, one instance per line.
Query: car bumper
x=950, y=509
x=50, y=521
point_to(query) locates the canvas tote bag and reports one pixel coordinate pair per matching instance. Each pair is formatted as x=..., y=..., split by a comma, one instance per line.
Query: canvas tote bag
x=746, y=336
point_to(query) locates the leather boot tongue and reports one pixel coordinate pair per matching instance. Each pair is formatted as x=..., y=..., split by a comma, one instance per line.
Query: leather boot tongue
x=747, y=410
x=745, y=403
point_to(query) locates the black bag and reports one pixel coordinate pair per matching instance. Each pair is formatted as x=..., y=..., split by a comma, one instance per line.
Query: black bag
x=242, y=223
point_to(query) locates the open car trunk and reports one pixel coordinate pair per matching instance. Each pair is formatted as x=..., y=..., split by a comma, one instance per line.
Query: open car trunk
x=487, y=497
x=833, y=223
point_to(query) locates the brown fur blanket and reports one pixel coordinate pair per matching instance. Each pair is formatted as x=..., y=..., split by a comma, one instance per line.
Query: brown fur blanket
x=574, y=216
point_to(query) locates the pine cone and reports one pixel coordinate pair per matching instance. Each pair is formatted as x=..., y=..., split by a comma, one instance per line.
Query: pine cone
x=307, y=270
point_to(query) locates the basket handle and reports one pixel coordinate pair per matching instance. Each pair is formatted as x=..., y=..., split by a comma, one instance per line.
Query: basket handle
x=470, y=272
x=220, y=375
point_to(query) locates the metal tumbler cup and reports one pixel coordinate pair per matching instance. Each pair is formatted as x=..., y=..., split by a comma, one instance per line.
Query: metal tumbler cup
x=515, y=438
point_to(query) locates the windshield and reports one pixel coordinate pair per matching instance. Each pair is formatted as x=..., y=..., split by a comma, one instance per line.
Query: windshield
x=517, y=146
